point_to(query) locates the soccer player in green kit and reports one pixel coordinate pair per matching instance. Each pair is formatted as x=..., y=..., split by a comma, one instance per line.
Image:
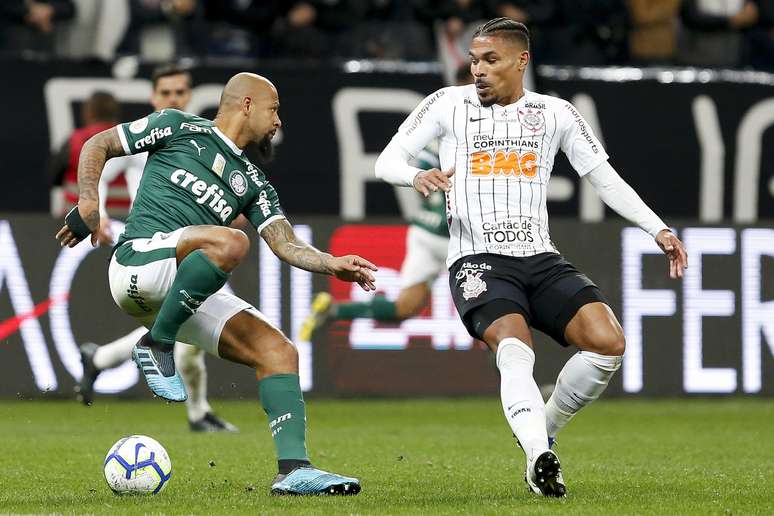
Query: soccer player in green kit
x=427, y=243
x=176, y=253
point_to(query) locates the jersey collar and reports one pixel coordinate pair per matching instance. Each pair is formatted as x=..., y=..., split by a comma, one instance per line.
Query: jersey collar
x=227, y=140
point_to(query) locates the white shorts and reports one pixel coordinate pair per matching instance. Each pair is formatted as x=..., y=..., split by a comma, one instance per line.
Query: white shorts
x=141, y=273
x=425, y=257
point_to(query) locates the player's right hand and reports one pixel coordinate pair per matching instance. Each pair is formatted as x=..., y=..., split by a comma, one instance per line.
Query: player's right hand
x=354, y=269
x=429, y=181
x=89, y=212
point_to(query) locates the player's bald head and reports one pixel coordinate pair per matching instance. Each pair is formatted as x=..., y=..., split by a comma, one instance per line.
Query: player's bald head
x=249, y=111
x=243, y=85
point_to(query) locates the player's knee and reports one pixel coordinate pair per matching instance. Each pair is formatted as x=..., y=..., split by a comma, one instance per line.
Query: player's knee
x=610, y=342
x=237, y=245
x=277, y=357
x=228, y=247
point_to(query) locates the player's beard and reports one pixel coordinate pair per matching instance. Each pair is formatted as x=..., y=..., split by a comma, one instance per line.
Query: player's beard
x=265, y=149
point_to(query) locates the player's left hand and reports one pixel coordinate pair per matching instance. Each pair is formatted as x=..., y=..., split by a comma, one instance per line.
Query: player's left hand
x=355, y=269
x=675, y=251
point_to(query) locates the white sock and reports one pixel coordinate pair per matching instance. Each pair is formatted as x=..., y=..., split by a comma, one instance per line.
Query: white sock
x=115, y=353
x=522, y=404
x=189, y=360
x=582, y=379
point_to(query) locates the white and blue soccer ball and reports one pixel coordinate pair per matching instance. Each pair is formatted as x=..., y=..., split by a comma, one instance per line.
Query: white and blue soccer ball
x=137, y=464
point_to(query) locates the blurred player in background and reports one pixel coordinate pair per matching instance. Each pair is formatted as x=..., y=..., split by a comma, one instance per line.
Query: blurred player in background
x=427, y=243
x=176, y=253
x=98, y=112
x=171, y=90
x=498, y=144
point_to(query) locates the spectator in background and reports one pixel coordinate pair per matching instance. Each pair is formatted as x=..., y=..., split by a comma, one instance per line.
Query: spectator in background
x=99, y=112
x=390, y=30
x=240, y=27
x=714, y=31
x=583, y=32
x=536, y=14
x=313, y=28
x=27, y=26
x=653, y=31
x=183, y=18
x=761, y=37
x=532, y=13
x=453, y=23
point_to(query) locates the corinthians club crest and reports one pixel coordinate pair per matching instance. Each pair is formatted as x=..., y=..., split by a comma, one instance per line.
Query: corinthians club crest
x=473, y=286
x=532, y=119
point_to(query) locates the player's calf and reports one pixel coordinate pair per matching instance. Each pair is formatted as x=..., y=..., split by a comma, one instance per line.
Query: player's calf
x=249, y=340
x=596, y=332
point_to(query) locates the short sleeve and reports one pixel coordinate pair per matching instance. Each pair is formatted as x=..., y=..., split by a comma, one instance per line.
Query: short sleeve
x=265, y=208
x=423, y=125
x=151, y=132
x=584, y=151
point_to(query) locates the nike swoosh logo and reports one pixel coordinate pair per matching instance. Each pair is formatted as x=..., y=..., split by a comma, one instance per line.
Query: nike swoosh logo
x=12, y=325
x=477, y=119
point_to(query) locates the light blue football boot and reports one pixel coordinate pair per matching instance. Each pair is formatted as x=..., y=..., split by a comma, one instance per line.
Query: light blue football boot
x=158, y=368
x=308, y=480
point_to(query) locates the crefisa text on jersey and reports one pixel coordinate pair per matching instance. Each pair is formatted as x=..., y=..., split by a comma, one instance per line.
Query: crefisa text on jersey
x=155, y=135
x=203, y=191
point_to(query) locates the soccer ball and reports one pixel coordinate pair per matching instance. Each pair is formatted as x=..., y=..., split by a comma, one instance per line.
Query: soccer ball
x=137, y=465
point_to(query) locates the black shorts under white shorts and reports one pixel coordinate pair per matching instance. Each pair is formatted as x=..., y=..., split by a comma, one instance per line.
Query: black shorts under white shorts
x=545, y=288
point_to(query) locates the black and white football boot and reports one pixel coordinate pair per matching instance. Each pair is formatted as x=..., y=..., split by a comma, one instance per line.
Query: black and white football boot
x=544, y=475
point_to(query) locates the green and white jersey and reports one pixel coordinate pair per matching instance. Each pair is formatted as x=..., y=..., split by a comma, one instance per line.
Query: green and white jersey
x=195, y=175
x=432, y=215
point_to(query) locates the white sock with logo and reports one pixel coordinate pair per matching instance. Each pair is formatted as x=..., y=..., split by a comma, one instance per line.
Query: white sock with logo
x=582, y=379
x=115, y=353
x=522, y=403
x=189, y=361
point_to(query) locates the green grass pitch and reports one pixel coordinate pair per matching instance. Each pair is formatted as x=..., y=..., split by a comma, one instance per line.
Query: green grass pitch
x=694, y=456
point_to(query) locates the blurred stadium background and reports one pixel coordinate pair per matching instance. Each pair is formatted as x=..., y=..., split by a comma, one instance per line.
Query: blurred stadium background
x=680, y=92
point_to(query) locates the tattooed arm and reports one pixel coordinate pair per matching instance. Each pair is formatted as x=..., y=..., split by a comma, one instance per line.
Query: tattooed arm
x=282, y=240
x=97, y=150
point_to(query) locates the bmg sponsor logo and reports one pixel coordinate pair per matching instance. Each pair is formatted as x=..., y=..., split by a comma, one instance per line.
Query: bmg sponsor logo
x=503, y=163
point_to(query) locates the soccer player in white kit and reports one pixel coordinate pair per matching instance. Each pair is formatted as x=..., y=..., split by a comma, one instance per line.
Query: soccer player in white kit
x=171, y=90
x=498, y=142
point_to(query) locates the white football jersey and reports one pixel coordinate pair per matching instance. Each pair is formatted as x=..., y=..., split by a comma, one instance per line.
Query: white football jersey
x=132, y=166
x=502, y=157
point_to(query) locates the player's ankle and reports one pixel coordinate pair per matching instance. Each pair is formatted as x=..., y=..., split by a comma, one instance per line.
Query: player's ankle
x=158, y=343
x=285, y=466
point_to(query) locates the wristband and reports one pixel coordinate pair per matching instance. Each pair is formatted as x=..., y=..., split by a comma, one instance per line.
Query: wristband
x=76, y=224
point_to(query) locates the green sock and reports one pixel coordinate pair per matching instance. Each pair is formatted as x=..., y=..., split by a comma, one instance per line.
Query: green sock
x=284, y=404
x=378, y=308
x=197, y=278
